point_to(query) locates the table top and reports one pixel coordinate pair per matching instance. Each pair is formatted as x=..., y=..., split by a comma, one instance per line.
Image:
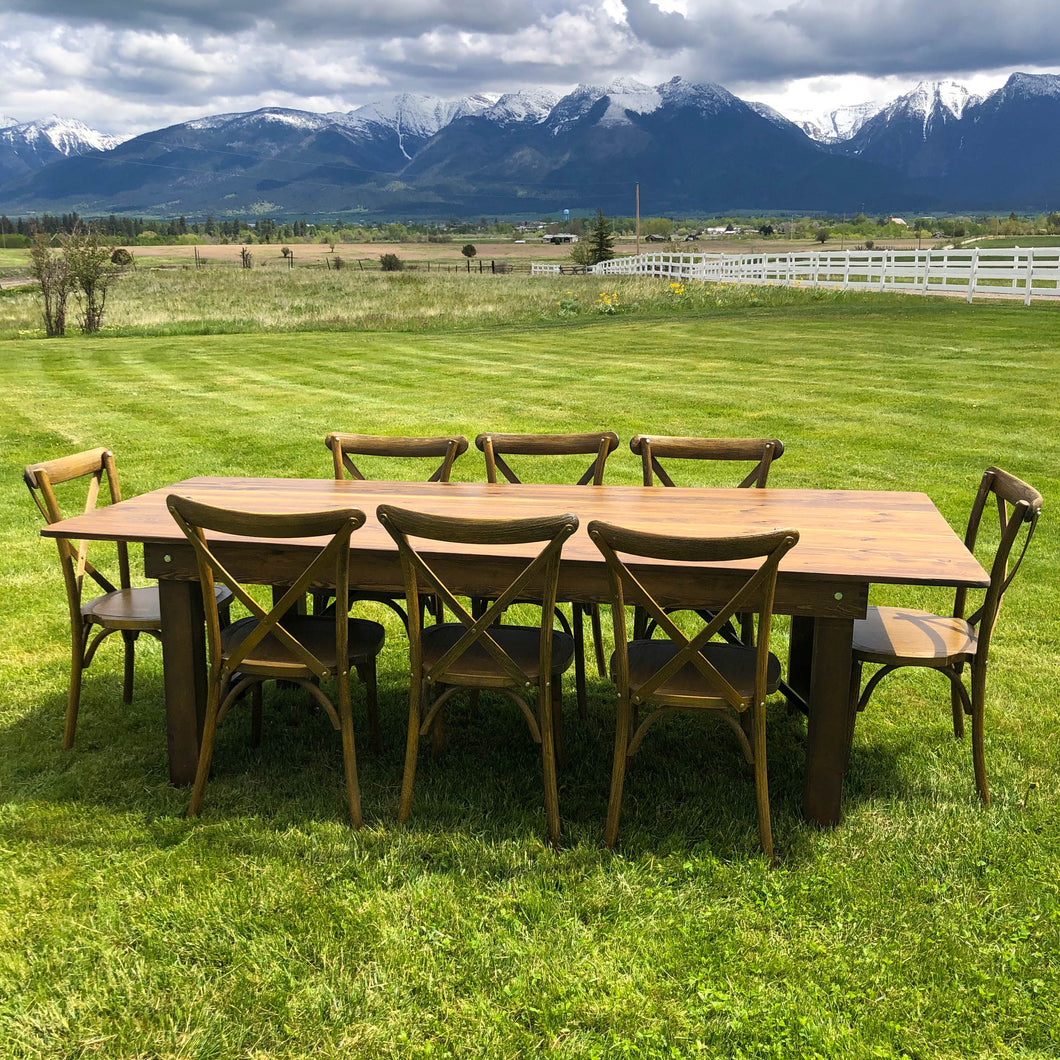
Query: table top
x=862, y=536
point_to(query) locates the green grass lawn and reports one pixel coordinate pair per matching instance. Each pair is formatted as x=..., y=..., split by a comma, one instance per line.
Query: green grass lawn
x=924, y=926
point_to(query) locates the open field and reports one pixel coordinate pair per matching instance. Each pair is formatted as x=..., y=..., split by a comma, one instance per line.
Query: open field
x=213, y=301
x=423, y=254
x=924, y=926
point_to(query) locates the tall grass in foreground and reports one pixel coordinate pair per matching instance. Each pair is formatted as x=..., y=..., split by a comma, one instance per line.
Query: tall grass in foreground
x=924, y=926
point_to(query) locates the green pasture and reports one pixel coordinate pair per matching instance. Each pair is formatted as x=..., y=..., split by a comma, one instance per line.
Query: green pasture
x=924, y=926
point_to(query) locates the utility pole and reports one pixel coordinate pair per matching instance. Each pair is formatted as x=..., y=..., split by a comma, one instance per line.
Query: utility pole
x=637, y=187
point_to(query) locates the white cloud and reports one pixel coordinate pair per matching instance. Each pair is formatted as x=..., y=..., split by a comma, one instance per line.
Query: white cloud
x=124, y=67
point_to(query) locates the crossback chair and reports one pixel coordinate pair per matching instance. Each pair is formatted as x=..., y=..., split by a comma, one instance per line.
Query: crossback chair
x=279, y=643
x=692, y=672
x=762, y=451
x=344, y=447
x=896, y=637
x=120, y=608
x=476, y=652
x=495, y=448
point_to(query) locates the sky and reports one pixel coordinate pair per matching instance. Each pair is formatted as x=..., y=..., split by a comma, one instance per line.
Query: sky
x=130, y=66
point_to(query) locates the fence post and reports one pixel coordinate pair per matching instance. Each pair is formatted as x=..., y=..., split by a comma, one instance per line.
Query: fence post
x=1030, y=275
x=973, y=268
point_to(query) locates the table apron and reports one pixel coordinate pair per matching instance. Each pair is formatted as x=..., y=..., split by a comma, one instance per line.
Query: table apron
x=580, y=582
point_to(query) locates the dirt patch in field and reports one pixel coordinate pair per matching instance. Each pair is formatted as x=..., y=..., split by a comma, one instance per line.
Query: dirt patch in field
x=318, y=253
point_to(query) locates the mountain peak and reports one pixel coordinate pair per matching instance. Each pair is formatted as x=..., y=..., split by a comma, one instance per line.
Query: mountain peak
x=1023, y=85
x=836, y=125
x=929, y=97
x=531, y=106
x=67, y=136
x=417, y=113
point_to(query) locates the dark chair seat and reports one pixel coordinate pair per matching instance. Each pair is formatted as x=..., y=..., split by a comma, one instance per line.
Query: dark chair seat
x=476, y=667
x=735, y=662
x=275, y=658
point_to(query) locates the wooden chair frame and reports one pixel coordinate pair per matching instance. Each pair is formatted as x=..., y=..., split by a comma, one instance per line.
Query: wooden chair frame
x=714, y=690
x=507, y=675
x=1018, y=507
x=763, y=451
x=234, y=667
x=601, y=444
x=495, y=447
x=121, y=608
x=345, y=446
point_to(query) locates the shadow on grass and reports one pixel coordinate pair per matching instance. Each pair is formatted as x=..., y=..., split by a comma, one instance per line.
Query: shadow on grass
x=690, y=788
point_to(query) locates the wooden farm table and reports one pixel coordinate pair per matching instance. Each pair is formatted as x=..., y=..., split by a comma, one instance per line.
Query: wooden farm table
x=850, y=539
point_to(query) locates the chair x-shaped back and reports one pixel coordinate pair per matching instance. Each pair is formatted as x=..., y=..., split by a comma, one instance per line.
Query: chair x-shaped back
x=690, y=672
x=345, y=446
x=272, y=642
x=476, y=652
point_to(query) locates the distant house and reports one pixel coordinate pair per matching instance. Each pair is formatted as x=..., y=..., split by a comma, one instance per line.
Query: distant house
x=561, y=237
x=897, y=221
x=654, y=237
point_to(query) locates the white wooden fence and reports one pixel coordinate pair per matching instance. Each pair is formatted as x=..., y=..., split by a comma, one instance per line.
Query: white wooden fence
x=1030, y=272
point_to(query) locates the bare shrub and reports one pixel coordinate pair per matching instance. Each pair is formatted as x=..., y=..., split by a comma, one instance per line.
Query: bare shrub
x=88, y=259
x=52, y=271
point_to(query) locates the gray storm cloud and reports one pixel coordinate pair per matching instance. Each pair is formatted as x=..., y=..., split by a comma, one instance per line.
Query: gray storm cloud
x=127, y=66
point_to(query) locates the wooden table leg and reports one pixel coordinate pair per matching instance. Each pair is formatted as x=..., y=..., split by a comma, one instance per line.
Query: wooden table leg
x=829, y=732
x=184, y=669
x=800, y=661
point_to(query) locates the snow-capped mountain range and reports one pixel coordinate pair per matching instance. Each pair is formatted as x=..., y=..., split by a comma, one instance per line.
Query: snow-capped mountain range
x=701, y=147
x=27, y=146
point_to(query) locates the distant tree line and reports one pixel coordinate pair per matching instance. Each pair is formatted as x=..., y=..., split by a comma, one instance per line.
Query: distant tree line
x=853, y=228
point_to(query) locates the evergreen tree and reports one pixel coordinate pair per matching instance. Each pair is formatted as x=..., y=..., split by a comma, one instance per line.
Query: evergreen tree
x=601, y=240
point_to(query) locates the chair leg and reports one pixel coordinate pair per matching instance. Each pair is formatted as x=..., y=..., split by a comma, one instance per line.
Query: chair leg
x=978, y=723
x=255, y=714
x=349, y=751
x=438, y=736
x=129, y=637
x=73, y=696
x=957, y=705
x=598, y=639
x=412, y=748
x=548, y=762
x=578, y=633
x=557, y=719
x=765, y=828
x=855, y=684
x=209, y=730
x=367, y=673
x=618, y=771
